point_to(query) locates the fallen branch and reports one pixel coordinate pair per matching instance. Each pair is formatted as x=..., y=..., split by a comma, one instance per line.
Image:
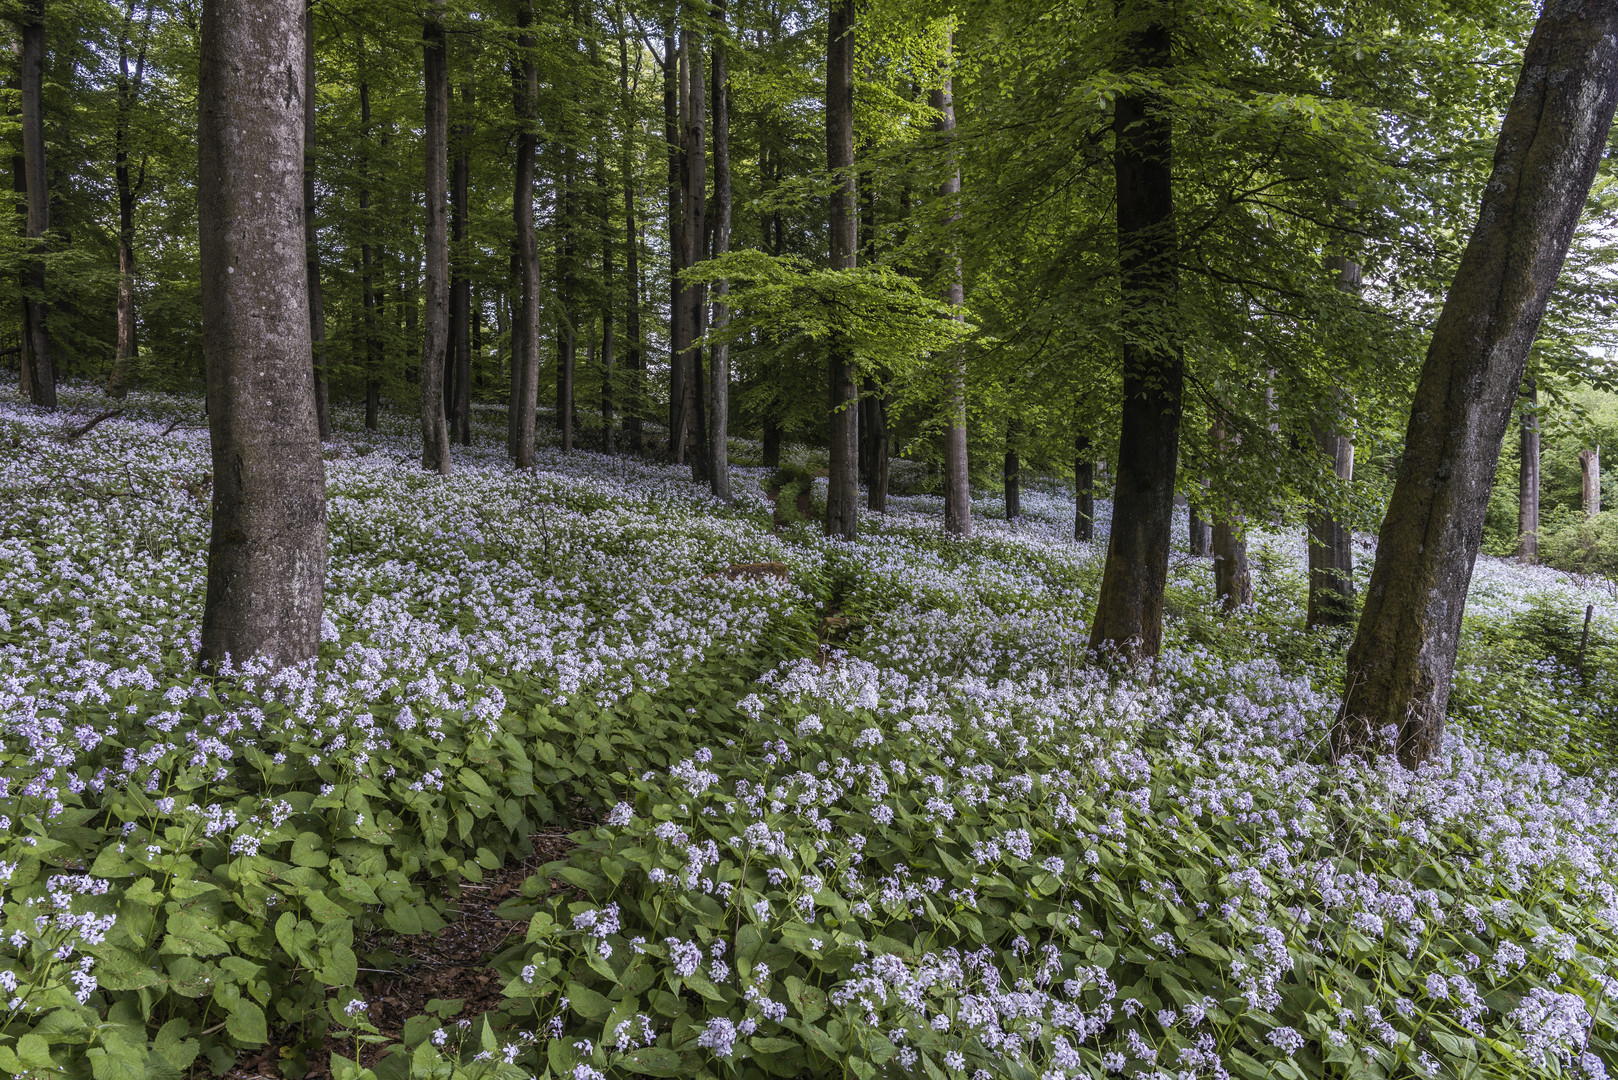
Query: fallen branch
x=70, y=436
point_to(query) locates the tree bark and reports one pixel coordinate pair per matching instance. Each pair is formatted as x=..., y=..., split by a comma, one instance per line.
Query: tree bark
x=460, y=288
x=38, y=373
x=1233, y=583
x=957, y=474
x=267, y=549
x=1129, y=609
x=842, y=491
x=631, y=407
x=435, y=329
x=1555, y=131
x=693, y=234
x=311, y=238
x=1590, y=481
x=525, y=319
x=679, y=334
x=1011, y=474
x=1331, y=542
x=1084, y=502
x=368, y=297
x=1528, y=477
x=1199, y=531
x=128, y=89
x=719, y=356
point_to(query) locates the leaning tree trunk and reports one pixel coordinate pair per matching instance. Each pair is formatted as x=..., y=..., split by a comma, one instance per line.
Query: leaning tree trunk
x=525, y=317
x=1084, y=501
x=311, y=237
x=842, y=491
x=1555, y=131
x=693, y=235
x=1129, y=609
x=957, y=477
x=435, y=328
x=719, y=357
x=267, y=549
x=38, y=374
x=1528, y=476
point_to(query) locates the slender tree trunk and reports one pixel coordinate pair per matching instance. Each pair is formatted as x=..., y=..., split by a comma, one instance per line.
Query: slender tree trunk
x=1129, y=609
x=719, y=362
x=1084, y=501
x=634, y=363
x=460, y=290
x=1528, y=477
x=129, y=88
x=267, y=549
x=1199, y=539
x=1331, y=542
x=1011, y=474
x=525, y=319
x=679, y=333
x=1553, y=137
x=435, y=329
x=1590, y=481
x=876, y=491
x=842, y=493
x=311, y=237
x=1233, y=582
x=368, y=297
x=38, y=374
x=957, y=475
x=693, y=234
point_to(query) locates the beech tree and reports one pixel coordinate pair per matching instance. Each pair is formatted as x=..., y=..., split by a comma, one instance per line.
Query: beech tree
x=435, y=325
x=957, y=475
x=38, y=374
x=842, y=492
x=1129, y=609
x=267, y=547
x=1400, y=665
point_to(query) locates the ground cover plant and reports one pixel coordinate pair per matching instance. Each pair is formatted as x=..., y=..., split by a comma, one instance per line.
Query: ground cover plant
x=863, y=810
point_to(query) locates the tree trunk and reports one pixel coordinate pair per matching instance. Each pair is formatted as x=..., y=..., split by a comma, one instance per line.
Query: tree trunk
x=1528, y=477
x=631, y=407
x=693, y=232
x=525, y=319
x=1331, y=542
x=1129, y=609
x=874, y=428
x=129, y=88
x=460, y=289
x=1233, y=583
x=1199, y=531
x=435, y=329
x=771, y=442
x=311, y=237
x=1590, y=481
x=368, y=297
x=679, y=335
x=957, y=474
x=38, y=374
x=1555, y=131
x=1084, y=501
x=267, y=549
x=1011, y=473
x=719, y=362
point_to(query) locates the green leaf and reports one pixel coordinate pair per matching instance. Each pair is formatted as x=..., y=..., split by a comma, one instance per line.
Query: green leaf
x=246, y=1024
x=587, y=1003
x=653, y=1061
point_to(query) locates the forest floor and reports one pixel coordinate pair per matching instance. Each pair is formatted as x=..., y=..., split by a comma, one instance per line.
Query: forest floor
x=597, y=777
